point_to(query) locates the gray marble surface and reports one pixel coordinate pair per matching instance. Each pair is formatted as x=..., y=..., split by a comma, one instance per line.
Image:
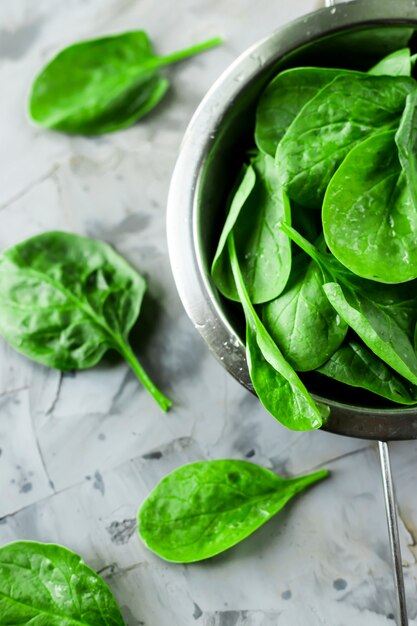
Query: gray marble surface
x=79, y=452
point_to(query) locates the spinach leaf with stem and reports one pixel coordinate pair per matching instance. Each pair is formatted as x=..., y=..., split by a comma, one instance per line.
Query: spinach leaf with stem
x=204, y=508
x=397, y=63
x=379, y=314
x=103, y=85
x=65, y=300
x=48, y=584
x=301, y=321
x=355, y=365
x=283, y=99
x=277, y=385
x=370, y=209
x=264, y=252
x=342, y=114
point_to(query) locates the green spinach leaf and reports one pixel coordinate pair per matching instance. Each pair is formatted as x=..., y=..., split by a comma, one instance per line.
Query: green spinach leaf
x=283, y=99
x=103, y=85
x=376, y=328
x=47, y=584
x=355, y=365
x=341, y=115
x=406, y=141
x=370, y=213
x=301, y=321
x=397, y=63
x=277, y=385
x=204, y=508
x=65, y=300
x=263, y=250
x=376, y=313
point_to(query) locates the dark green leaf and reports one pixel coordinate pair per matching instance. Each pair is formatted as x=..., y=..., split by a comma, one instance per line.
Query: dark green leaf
x=340, y=116
x=283, y=99
x=263, y=250
x=102, y=85
x=369, y=216
x=302, y=322
x=397, y=63
x=306, y=221
x=48, y=585
x=277, y=385
x=65, y=300
x=378, y=313
x=204, y=508
x=355, y=365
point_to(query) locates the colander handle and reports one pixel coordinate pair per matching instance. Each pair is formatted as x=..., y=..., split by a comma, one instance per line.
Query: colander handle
x=331, y=3
x=391, y=510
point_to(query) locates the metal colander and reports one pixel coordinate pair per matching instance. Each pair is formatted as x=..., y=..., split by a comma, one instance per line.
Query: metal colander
x=352, y=35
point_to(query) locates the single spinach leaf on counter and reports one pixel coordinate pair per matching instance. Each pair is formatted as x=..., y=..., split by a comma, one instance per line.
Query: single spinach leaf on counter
x=204, y=508
x=48, y=584
x=283, y=99
x=65, y=300
x=301, y=321
x=264, y=251
x=102, y=85
x=355, y=365
x=341, y=115
x=397, y=63
x=369, y=210
x=277, y=385
x=378, y=313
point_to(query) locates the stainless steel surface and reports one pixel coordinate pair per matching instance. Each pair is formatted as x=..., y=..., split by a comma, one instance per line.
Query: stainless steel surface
x=346, y=33
x=391, y=509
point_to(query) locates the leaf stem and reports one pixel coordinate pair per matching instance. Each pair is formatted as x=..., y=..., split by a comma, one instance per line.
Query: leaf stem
x=127, y=353
x=303, y=243
x=189, y=52
x=301, y=482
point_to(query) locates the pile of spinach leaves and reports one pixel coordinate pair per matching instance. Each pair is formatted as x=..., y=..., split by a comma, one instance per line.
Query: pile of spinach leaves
x=319, y=245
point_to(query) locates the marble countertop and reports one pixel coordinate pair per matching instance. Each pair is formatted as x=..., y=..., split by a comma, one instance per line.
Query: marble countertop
x=79, y=452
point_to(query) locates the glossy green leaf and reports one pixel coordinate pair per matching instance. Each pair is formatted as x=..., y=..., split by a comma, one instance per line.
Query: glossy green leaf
x=283, y=99
x=277, y=385
x=379, y=314
x=344, y=113
x=369, y=216
x=355, y=365
x=406, y=141
x=221, y=271
x=376, y=328
x=301, y=321
x=397, y=63
x=263, y=250
x=65, y=300
x=102, y=85
x=204, y=508
x=48, y=585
